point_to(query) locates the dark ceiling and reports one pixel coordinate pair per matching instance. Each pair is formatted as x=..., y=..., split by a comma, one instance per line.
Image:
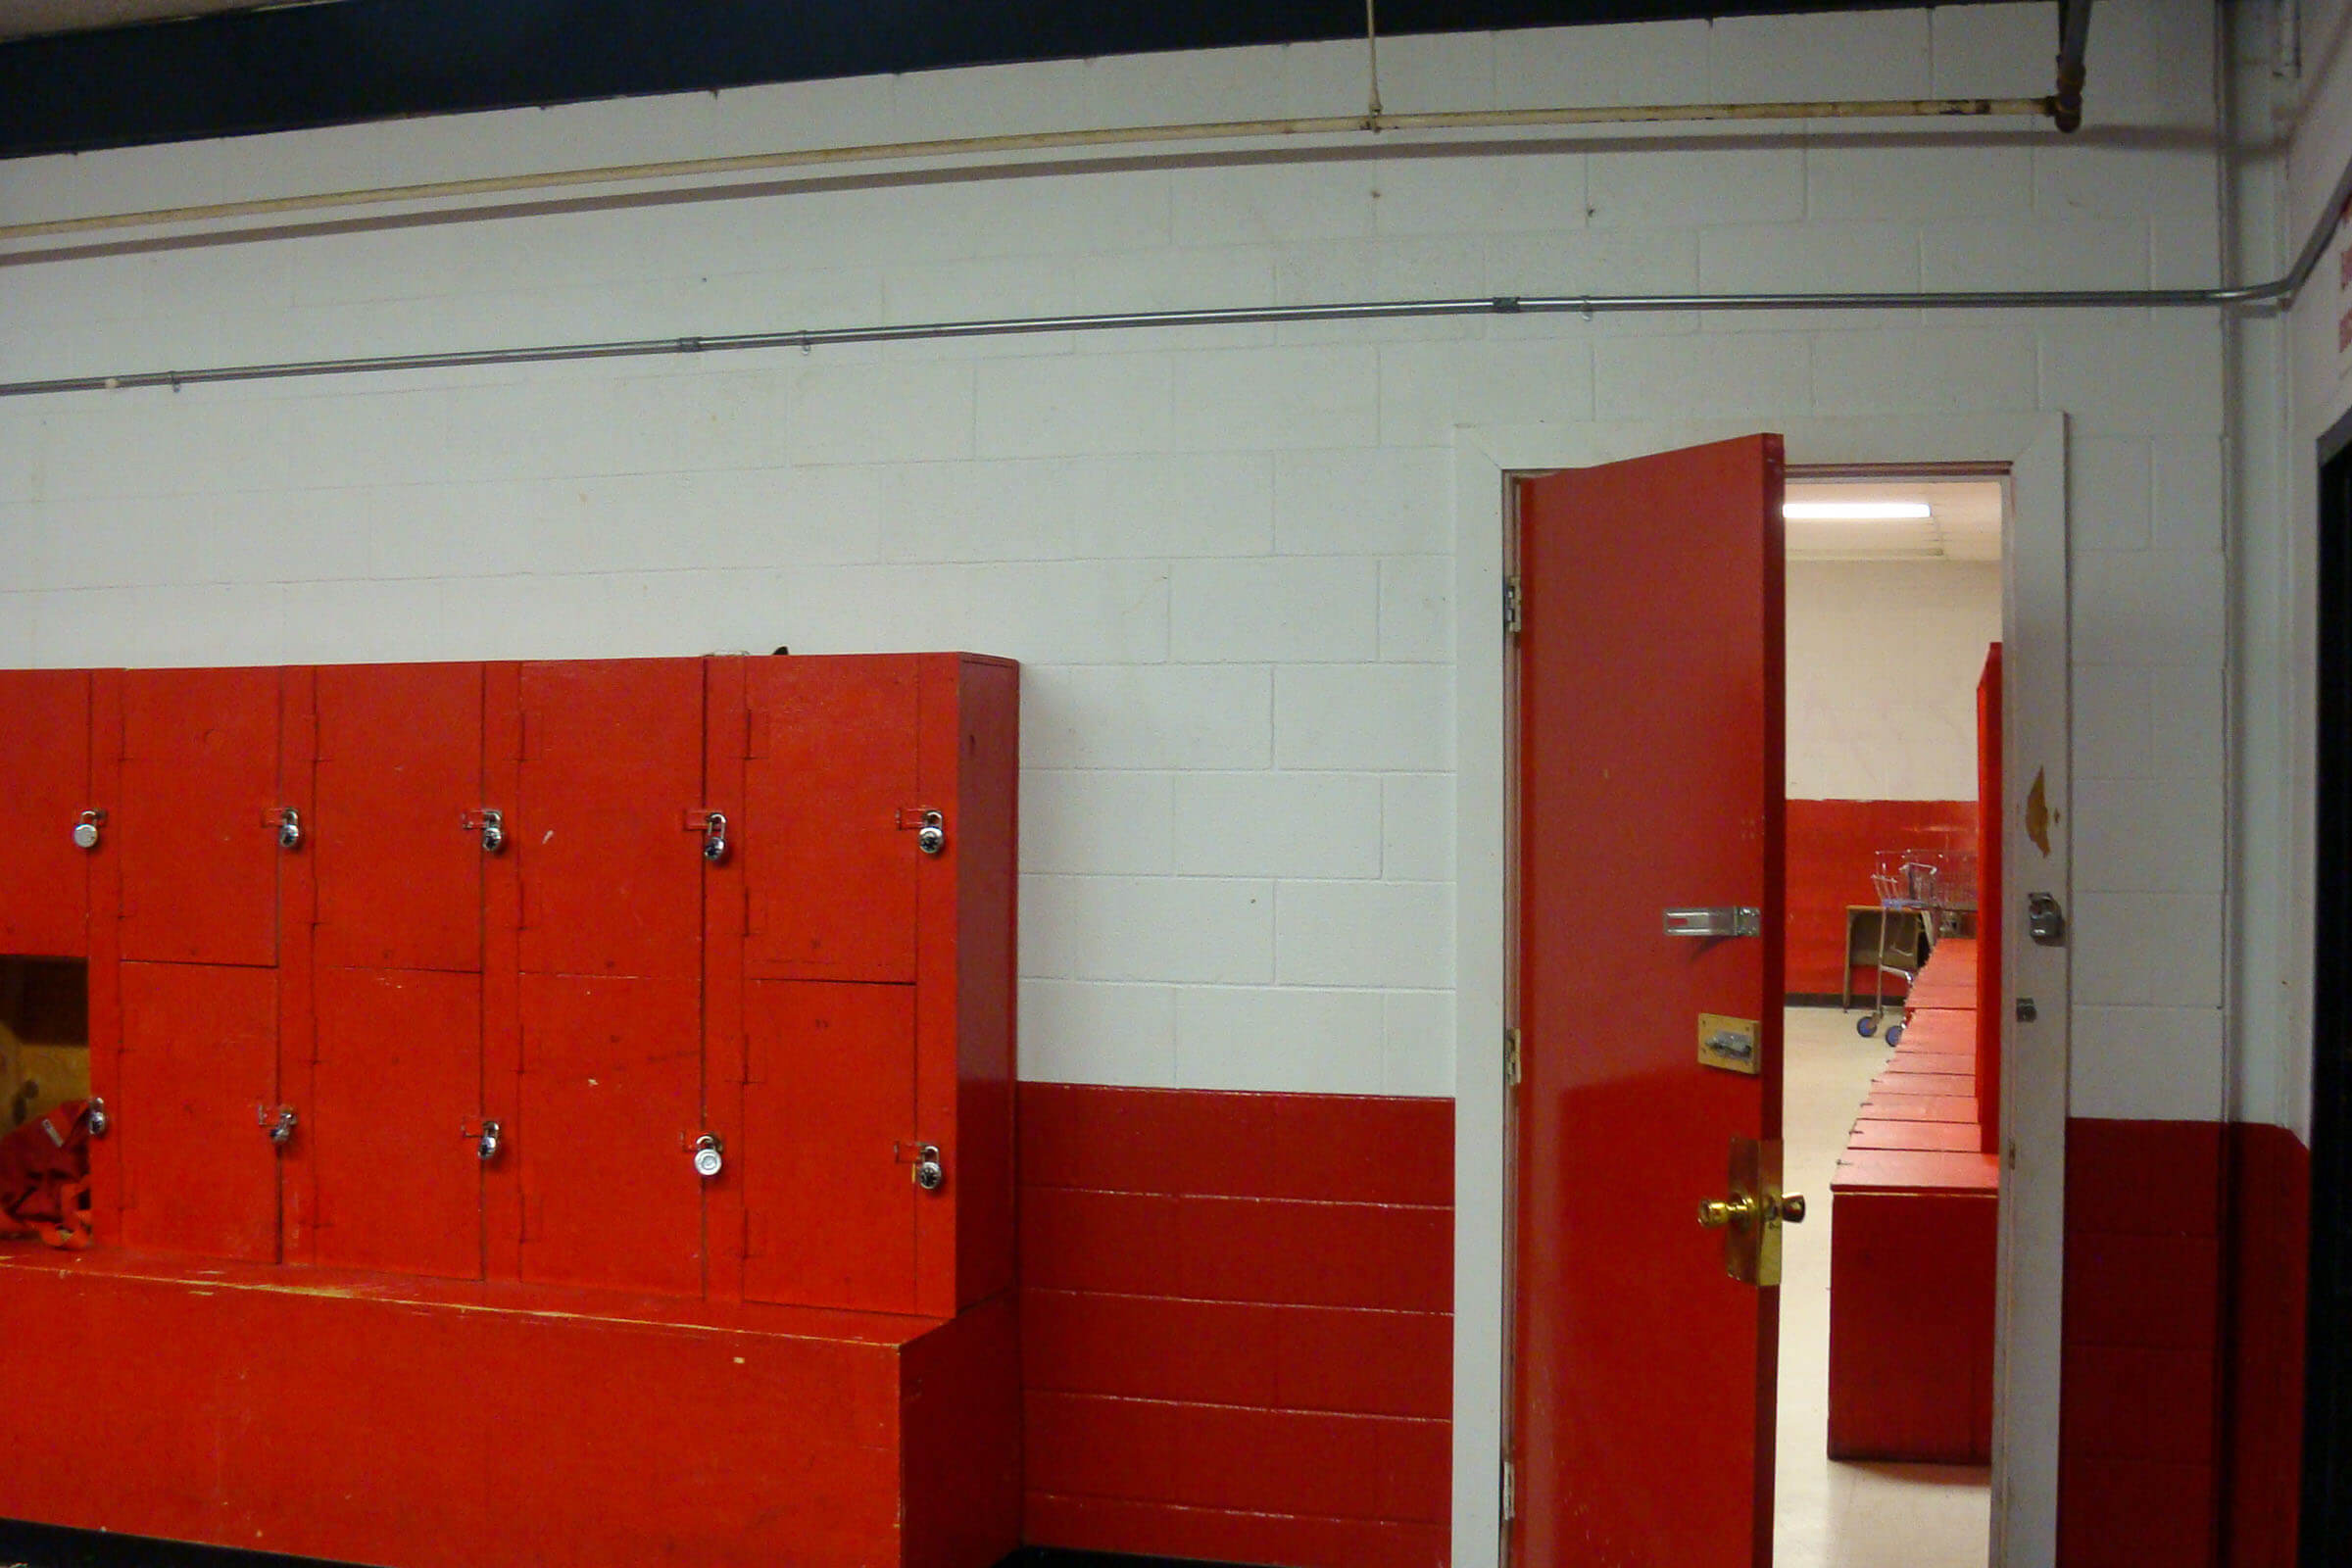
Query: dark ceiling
x=323, y=65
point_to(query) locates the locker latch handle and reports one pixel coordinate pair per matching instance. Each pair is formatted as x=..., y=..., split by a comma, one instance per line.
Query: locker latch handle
x=490, y=823
x=930, y=1169
x=930, y=827
x=288, y=823
x=277, y=1123
x=712, y=826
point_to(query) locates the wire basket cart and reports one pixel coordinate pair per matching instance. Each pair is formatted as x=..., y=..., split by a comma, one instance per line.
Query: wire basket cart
x=1927, y=890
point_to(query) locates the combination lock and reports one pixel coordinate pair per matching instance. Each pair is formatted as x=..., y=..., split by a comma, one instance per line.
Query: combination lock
x=709, y=1155
x=86, y=831
x=929, y=1173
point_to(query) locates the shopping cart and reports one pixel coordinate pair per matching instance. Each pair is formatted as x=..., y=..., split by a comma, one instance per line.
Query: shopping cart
x=1927, y=890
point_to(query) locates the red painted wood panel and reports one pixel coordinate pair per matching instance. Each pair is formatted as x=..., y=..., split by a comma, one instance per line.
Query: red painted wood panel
x=610, y=1104
x=400, y=766
x=833, y=767
x=199, y=1060
x=1198, y=1296
x=1911, y=1327
x=261, y=1417
x=397, y=1085
x=45, y=785
x=972, y=718
x=2268, y=1274
x=1831, y=843
x=193, y=822
x=612, y=766
x=828, y=1113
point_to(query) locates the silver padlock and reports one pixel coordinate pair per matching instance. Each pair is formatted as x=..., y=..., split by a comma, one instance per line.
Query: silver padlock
x=86, y=831
x=494, y=839
x=929, y=1174
x=96, y=1117
x=277, y=1122
x=715, y=837
x=487, y=1141
x=932, y=836
x=289, y=829
x=709, y=1155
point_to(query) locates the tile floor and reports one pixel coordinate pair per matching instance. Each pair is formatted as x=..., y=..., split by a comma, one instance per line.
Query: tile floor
x=1846, y=1515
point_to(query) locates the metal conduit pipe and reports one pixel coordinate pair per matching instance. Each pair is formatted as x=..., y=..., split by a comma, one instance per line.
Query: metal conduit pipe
x=2280, y=292
x=1047, y=141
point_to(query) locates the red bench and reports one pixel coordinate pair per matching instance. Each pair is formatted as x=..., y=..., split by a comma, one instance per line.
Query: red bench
x=1914, y=1222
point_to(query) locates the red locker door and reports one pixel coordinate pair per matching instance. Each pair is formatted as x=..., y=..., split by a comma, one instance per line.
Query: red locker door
x=1650, y=758
x=611, y=1104
x=396, y=1098
x=611, y=768
x=45, y=786
x=195, y=820
x=398, y=836
x=197, y=1077
x=831, y=777
x=828, y=1126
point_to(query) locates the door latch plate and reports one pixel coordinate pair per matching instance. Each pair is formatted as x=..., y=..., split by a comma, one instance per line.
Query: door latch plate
x=1731, y=1045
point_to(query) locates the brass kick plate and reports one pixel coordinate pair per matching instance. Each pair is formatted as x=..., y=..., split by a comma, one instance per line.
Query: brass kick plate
x=1752, y=1216
x=1735, y=1045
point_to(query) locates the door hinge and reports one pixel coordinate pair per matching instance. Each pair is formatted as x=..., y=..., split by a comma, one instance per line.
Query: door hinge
x=1514, y=604
x=1510, y=1492
x=1511, y=1057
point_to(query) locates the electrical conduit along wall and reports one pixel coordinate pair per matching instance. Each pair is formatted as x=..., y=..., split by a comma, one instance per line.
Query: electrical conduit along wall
x=1883, y=663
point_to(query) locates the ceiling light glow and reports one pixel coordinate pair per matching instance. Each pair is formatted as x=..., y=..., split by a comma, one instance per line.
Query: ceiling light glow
x=1856, y=510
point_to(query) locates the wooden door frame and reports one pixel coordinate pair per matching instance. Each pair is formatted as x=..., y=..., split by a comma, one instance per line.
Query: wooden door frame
x=2036, y=654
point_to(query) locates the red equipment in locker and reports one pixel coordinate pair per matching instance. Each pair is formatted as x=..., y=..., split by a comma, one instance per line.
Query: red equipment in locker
x=45, y=790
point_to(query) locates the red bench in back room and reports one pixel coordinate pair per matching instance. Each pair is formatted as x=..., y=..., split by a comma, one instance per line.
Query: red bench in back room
x=1912, y=1238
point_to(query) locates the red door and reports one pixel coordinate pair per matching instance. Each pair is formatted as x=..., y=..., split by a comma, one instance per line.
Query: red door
x=1650, y=683
x=610, y=1095
x=827, y=795
x=44, y=788
x=398, y=839
x=196, y=817
x=196, y=1083
x=828, y=1130
x=391, y=1131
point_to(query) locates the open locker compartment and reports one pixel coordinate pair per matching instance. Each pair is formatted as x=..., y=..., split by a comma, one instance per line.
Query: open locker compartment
x=44, y=1102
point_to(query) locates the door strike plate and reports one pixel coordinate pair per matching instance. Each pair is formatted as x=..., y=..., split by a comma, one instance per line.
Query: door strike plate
x=1710, y=924
x=1733, y=1044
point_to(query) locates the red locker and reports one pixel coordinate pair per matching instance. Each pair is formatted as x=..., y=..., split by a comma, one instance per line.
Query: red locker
x=400, y=838
x=46, y=787
x=611, y=1105
x=877, y=846
x=611, y=774
x=197, y=818
x=393, y=1132
x=196, y=1095
x=829, y=1145
x=832, y=812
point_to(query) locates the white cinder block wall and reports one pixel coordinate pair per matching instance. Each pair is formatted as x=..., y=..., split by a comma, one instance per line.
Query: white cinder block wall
x=1883, y=657
x=1224, y=556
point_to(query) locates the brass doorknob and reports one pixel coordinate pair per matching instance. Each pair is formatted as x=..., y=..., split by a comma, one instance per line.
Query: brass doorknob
x=1718, y=1214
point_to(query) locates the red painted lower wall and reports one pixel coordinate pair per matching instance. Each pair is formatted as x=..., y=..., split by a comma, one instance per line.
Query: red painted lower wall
x=1830, y=845
x=2270, y=1273
x=1236, y=1325
x=2181, y=1440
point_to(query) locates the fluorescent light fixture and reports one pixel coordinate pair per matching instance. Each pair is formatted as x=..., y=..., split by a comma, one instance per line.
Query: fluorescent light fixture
x=1856, y=510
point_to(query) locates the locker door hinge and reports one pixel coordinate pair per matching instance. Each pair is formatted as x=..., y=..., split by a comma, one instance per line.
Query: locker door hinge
x=1514, y=604
x=1510, y=1492
x=1511, y=1057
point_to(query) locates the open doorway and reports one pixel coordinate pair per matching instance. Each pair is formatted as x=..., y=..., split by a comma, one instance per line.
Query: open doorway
x=1893, y=744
